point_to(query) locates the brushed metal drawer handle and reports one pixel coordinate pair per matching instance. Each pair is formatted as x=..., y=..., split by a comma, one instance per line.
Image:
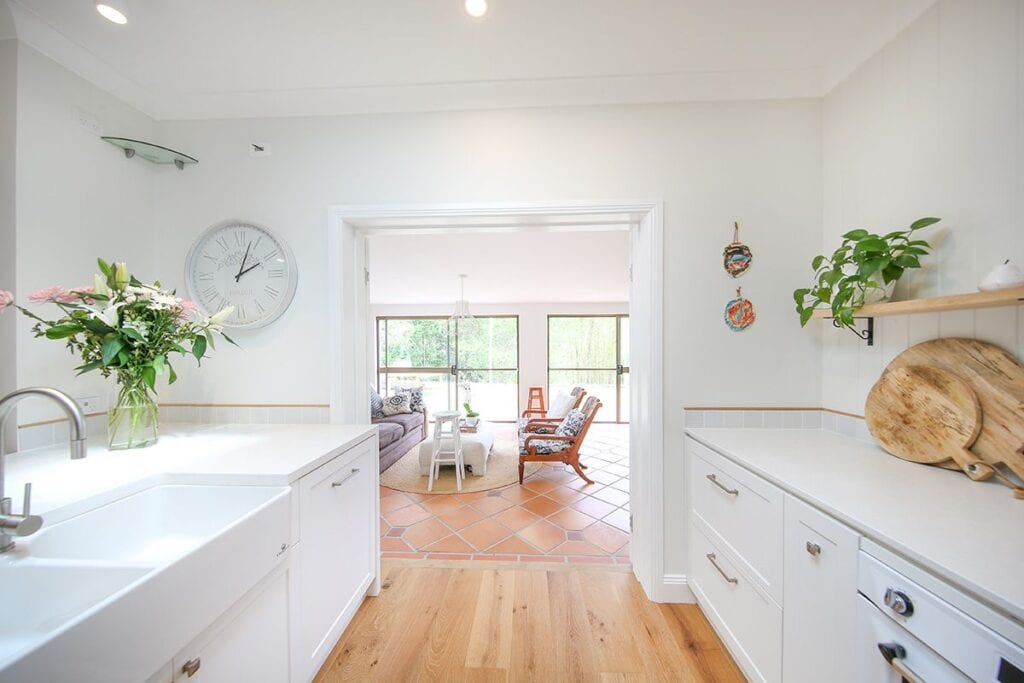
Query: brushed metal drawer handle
x=336, y=484
x=191, y=667
x=813, y=548
x=714, y=480
x=712, y=558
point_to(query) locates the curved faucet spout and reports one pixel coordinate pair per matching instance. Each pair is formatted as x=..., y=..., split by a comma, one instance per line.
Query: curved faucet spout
x=67, y=404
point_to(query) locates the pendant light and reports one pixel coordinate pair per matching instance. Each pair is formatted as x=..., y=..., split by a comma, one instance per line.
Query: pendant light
x=462, y=306
x=115, y=11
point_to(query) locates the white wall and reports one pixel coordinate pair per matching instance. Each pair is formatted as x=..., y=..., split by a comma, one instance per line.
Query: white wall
x=8, y=143
x=77, y=198
x=533, y=332
x=933, y=125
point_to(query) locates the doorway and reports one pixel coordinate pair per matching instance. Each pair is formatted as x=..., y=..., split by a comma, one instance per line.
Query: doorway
x=351, y=327
x=591, y=351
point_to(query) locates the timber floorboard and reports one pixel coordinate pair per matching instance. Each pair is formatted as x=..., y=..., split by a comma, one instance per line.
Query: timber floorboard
x=462, y=622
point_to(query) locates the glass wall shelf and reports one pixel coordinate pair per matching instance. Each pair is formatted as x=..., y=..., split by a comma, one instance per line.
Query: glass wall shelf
x=150, y=152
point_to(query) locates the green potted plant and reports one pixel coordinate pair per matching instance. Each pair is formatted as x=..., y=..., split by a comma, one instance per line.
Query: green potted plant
x=864, y=269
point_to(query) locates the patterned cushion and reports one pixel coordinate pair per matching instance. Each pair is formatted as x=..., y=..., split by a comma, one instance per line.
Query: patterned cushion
x=376, y=403
x=523, y=421
x=399, y=403
x=416, y=393
x=572, y=424
x=541, y=446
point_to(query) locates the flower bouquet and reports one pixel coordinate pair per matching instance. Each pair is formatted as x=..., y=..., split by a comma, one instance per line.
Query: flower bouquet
x=124, y=328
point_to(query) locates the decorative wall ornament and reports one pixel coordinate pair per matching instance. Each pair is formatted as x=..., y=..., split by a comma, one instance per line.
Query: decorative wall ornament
x=737, y=256
x=739, y=312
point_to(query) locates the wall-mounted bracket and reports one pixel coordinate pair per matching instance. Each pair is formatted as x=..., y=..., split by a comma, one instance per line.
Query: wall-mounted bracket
x=867, y=334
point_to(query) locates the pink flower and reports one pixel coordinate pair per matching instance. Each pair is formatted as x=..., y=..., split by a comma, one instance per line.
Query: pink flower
x=186, y=308
x=82, y=293
x=6, y=299
x=53, y=294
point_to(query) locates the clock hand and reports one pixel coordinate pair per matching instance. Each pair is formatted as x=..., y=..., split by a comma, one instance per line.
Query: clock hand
x=244, y=259
x=243, y=272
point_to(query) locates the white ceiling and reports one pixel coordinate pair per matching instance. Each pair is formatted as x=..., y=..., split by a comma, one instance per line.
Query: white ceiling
x=506, y=267
x=238, y=58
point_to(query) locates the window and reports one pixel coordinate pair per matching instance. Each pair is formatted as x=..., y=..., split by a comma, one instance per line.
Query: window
x=592, y=352
x=475, y=361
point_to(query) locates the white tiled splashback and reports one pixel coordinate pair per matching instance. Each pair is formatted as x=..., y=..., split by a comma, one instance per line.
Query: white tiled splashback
x=851, y=367
x=39, y=435
x=779, y=418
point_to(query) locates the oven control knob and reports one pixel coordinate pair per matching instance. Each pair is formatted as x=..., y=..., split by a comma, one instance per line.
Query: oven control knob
x=898, y=602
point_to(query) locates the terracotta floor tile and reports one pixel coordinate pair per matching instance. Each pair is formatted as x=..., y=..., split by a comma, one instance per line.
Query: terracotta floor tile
x=623, y=551
x=579, y=548
x=514, y=545
x=515, y=518
x=542, y=506
x=584, y=559
x=571, y=520
x=449, y=556
x=407, y=516
x=539, y=484
x=605, y=537
x=622, y=560
x=543, y=535
x=491, y=505
x=403, y=556
x=496, y=558
x=564, y=495
x=542, y=558
x=426, y=532
x=394, y=502
x=396, y=531
x=578, y=484
x=470, y=497
x=418, y=496
x=384, y=527
x=593, y=507
x=485, y=534
x=619, y=519
x=518, y=494
x=392, y=544
x=385, y=491
x=612, y=495
x=449, y=544
x=441, y=504
x=461, y=517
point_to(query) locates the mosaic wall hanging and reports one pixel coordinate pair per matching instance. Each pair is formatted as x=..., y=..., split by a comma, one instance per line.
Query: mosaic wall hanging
x=736, y=256
x=739, y=312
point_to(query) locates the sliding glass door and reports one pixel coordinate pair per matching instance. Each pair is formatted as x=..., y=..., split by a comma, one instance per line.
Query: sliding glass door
x=475, y=361
x=591, y=351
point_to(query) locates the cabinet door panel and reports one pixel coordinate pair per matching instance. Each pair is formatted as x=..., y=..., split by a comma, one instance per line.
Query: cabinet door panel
x=820, y=614
x=335, y=558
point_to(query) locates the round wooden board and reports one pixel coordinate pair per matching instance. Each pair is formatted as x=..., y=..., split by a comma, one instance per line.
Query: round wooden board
x=997, y=379
x=923, y=414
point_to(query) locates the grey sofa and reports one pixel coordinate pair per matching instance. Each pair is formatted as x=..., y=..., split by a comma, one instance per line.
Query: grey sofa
x=399, y=434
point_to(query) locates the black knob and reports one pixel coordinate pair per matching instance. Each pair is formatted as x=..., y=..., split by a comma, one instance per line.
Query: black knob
x=892, y=651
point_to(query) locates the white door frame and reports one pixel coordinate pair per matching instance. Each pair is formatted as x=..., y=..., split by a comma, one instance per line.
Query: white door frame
x=351, y=347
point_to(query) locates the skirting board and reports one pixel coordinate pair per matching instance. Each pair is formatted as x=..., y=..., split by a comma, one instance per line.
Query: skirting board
x=674, y=589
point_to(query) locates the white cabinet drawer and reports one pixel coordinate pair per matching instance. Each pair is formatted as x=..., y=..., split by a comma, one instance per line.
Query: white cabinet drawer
x=739, y=511
x=748, y=621
x=820, y=612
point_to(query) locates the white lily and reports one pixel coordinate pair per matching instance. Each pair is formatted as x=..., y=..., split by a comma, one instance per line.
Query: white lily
x=99, y=285
x=221, y=315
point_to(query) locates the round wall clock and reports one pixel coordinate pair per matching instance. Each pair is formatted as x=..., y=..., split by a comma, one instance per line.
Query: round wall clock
x=242, y=265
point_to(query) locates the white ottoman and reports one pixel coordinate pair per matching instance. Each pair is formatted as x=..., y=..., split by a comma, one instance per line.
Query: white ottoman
x=476, y=448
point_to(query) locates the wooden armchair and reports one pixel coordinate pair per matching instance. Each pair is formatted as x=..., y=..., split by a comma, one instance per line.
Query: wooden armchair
x=540, y=424
x=556, y=447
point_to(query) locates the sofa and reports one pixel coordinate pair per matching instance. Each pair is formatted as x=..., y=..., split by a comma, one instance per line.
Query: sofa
x=398, y=434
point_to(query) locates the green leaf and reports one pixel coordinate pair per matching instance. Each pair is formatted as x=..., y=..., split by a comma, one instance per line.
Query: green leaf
x=907, y=261
x=818, y=260
x=149, y=376
x=924, y=223
x=209, y=340
x=97, y=326
x=230, y=340
x=173, y=376
x=805, y=315
x=800, y=294
x=63, y=331
x=104, y=267
x=199, y=347
x=132, y=334
x=82, y=369
x=917, y=251
x=824, y=295
x=159, y=365
x=111, y=348
x=857, y=234
x=871, y=244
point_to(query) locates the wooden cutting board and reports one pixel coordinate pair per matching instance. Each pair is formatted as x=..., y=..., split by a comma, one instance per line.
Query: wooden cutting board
x=998, y=381
x=927, y=415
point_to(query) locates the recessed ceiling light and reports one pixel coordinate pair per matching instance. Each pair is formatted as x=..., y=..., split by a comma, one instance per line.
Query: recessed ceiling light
x=113, y=11
x=476, y=8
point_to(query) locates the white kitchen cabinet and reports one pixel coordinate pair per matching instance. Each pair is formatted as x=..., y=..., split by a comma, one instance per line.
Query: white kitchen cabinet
x=249, y=643
x=336, y=558
x=820, y=596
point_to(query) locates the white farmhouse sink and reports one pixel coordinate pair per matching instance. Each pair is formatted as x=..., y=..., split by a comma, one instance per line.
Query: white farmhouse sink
x=152, y=527
x=40, y=598
x=169, y=559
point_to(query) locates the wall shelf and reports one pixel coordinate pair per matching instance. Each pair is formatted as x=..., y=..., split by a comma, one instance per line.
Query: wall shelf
x=954, y=302
x=157, y=154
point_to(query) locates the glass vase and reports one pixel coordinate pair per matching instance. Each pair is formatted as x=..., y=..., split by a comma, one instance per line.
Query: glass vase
x=133, y=419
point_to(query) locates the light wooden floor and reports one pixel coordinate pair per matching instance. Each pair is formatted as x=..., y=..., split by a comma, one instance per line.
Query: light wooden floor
x=464, y=623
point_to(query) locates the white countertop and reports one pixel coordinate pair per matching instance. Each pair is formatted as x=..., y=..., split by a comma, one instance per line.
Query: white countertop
x=966, y=532
x=257, y=455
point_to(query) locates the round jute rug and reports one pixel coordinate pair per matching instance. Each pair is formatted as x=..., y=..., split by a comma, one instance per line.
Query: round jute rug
x=502, y=470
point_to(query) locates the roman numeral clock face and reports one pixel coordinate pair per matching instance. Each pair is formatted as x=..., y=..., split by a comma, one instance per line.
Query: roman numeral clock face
x=245, y=266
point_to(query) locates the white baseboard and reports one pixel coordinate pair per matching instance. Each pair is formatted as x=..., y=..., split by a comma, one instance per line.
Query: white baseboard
x=674, y=589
